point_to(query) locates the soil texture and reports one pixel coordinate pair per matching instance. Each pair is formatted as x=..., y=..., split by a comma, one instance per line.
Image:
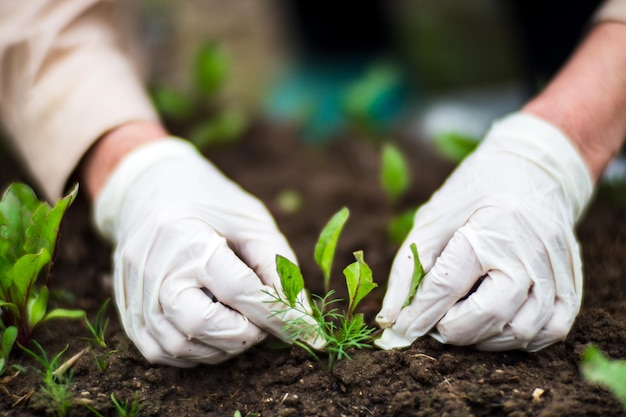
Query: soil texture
x=427, y=379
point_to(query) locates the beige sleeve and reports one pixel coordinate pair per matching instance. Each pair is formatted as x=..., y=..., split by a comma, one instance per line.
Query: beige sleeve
x=611, y=10
x=66, y=77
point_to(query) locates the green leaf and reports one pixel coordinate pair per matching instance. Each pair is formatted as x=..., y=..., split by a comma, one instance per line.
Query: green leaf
x=290, y=278
x=455, y=146
x=43, y=229
x=211, y=69
x=418, y=275
x=597, y=368
x=400, y=226
x=6, y=275
x=63, y=313
x=226, y=127
x=394, y=172
x=171, y=104
x=17, y=206
x=327, y=242
x=11, y=307
x=8, y=340
x=25, y=272
x=358, y=280
x=37, y=306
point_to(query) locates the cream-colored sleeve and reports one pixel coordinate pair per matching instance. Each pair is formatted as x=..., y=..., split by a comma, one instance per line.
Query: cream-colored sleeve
x=67, y=76
x=611, y=10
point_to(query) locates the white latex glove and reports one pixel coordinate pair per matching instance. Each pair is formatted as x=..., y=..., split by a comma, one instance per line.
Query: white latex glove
x=501, y=224
x=193, y=255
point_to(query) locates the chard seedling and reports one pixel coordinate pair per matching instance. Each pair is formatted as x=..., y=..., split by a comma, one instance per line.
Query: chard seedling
x=611, y=374
x=339, y=330
x=327, y=242
x=29, y=231
x=9, y=335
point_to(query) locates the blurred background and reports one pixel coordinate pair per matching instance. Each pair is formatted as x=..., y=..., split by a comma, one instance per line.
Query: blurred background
x=429, y=67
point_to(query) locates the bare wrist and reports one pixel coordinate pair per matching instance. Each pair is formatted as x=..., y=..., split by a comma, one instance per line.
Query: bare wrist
x=104, y=156
x=587, y=99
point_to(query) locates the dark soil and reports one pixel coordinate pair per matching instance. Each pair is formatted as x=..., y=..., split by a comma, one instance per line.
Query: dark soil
x=427, y=379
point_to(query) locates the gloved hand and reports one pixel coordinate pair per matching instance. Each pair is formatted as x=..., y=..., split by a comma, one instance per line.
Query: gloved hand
x=193, y=255
x=503, y=268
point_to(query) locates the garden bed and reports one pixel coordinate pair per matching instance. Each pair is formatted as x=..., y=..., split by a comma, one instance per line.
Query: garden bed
x=424, y=380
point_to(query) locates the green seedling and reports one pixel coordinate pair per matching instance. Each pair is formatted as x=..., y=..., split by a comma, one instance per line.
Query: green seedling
x=327, y=242
x=9, y=335
x=190, y=108
x=400, y=226
x=455, y=146
x=29, y=231
x=418, y=275
x=99, y=327
x=394, y=172
x=340, y=330
x=599, y=369
x=55, y=390
x=97, y=341
x=122, y=409
x=395, y=178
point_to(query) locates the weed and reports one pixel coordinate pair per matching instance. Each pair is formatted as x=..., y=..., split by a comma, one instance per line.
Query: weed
x=55, y=388
x=340, y=330
x=99, y=326
x=123, y=409
x=97, y=341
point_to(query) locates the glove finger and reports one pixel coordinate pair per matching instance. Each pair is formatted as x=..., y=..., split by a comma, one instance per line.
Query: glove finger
x=259, y=249
x=452, y=277
x=234, y=284
x=198, y=318
x=433, y=229
x=559, y=325
x=486, y=311
x=525, y=326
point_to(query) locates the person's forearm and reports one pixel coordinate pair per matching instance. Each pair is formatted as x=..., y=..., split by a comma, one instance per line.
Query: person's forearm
x=587, y=99
x=108, y=151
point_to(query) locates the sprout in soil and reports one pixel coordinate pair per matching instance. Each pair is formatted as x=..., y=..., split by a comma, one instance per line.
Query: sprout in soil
x=609, y=373
x=55, y=390
x=340, y=330
x=29, y=232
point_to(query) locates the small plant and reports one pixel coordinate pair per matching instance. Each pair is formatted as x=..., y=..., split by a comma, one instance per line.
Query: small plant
x=611, y=374
x=97, y=342
x=9, y=335
x=189, y=108
x=455, y=146
x=340, y=330
x=29, y=231
x=56, y=381
x=395, y=180
x=123, y=409
x=99, y=327
x=394, y=172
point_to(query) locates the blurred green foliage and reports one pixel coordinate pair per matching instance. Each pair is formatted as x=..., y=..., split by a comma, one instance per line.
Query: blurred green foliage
x=198, y=113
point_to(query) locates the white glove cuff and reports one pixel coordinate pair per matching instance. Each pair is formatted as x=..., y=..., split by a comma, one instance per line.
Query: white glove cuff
x=532, y=138
x=109, y=203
